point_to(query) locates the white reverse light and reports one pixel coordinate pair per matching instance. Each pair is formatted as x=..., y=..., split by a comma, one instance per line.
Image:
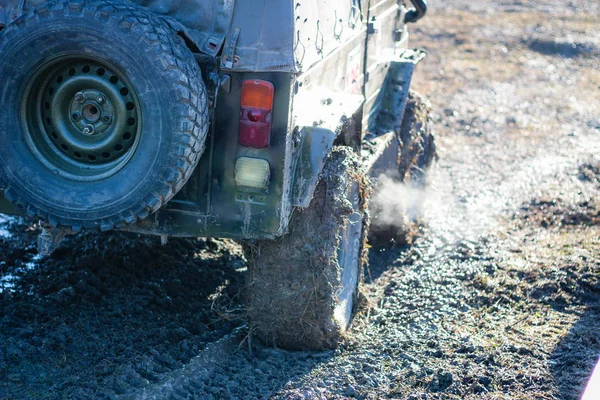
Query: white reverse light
x=252, y=172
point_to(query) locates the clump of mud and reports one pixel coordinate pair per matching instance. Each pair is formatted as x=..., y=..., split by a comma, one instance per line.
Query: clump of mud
x=293, y=281
x=397, y=201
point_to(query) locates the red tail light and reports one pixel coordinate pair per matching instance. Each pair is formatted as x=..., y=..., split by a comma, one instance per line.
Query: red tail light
x=255, y=113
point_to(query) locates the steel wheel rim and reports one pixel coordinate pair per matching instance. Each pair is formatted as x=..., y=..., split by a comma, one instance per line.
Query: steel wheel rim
x=81, y=118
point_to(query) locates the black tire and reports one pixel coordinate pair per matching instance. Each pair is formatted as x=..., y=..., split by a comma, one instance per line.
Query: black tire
x=416, y=155
x=302, y=288
x=149, y=62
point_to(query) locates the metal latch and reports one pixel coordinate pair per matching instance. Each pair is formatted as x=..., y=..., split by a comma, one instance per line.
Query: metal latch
x=397, y=35
x=373, y=26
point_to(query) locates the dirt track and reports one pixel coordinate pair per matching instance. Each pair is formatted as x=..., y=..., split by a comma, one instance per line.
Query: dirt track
x=498, y=296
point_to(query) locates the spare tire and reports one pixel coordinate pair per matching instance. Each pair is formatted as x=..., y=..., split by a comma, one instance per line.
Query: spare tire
x=103, y=113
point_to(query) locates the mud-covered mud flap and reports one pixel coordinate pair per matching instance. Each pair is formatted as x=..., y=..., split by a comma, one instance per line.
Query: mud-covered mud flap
x=398, y=163
x=315, y=145
x=399, y=148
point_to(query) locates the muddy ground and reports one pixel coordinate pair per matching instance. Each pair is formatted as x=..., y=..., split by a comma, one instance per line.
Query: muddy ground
x=498, y=296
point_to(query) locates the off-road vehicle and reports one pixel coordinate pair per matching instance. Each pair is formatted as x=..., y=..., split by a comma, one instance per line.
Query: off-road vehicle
x=258, y=120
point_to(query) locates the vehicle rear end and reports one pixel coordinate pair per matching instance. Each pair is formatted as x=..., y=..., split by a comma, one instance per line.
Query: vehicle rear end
x=291, y=81
x=283, y=80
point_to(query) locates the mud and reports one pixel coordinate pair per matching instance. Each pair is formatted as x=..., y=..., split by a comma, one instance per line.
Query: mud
x=294, y=280
x=497, y=297
x=107, y=313
x=396, y=204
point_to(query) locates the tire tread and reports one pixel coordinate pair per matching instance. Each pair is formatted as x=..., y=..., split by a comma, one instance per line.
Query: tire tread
x=178, y=62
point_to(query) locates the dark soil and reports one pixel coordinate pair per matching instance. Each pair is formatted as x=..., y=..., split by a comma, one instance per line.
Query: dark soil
x=497, y=297
x=108, y=313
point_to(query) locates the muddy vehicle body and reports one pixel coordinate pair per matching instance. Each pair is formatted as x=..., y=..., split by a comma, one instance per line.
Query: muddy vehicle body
x=257, y=120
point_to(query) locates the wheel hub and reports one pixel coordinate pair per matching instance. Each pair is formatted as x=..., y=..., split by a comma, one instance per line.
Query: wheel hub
x=91, y=112
x=82, y=118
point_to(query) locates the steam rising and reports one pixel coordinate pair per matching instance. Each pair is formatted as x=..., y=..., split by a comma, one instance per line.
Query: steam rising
x=394, y=204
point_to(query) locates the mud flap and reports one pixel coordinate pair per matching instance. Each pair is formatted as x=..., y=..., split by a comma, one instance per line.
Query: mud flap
x=398, y=163
x=315, y=145
x=380, y=154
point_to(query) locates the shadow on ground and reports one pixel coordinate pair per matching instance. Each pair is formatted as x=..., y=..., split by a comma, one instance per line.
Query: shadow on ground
x=381, y=258
x=566, y=280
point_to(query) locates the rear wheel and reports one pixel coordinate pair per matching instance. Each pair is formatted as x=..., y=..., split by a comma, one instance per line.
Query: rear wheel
x=398, y=195
x=302, y=288
x=104, y=117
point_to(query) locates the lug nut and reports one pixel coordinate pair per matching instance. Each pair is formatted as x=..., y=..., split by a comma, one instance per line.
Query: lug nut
x=100, y=99
x=88, y=130
x=79, y=97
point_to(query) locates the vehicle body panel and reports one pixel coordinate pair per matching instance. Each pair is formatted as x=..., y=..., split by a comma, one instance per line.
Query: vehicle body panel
x=211, y=204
